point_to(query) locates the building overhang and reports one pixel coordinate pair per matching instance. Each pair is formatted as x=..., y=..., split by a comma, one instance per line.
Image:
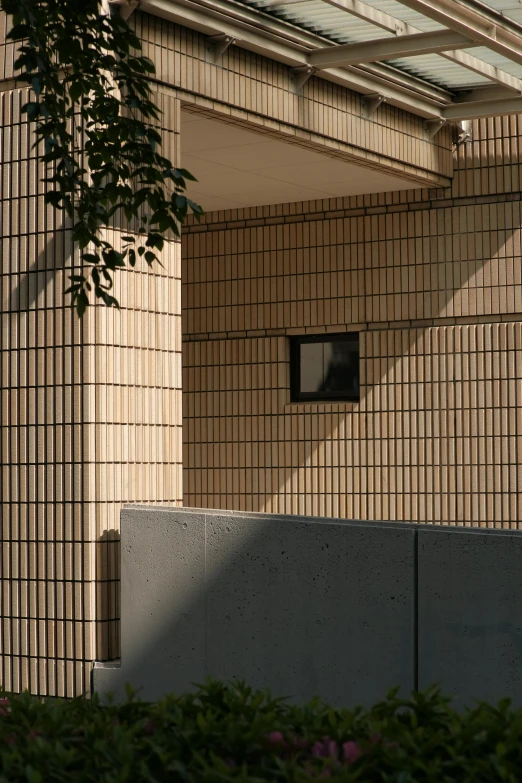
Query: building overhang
x=375, y=67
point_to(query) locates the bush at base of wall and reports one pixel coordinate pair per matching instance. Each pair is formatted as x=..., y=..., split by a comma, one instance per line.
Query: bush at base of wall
x=230, y=732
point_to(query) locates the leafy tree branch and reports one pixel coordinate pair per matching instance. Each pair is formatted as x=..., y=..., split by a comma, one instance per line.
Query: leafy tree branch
x=93, y=109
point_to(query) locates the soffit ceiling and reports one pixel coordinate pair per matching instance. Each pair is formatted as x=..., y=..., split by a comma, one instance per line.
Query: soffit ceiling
x=237, y=168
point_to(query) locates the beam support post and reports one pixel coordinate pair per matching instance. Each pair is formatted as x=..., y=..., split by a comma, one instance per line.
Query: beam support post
x=389, y=48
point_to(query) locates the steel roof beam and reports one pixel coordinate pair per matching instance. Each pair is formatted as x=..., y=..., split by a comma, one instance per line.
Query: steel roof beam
x=388, y=48
x=485, y=29
x=486, y=93
x=475, y=110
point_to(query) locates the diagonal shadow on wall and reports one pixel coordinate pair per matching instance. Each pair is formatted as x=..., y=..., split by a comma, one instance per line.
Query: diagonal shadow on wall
x=306, y=607
x=410, y=454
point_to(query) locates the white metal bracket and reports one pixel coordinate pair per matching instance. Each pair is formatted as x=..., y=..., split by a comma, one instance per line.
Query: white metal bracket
x=432, y=127
x=370, y=104
x=301, y=75
x=218, y=44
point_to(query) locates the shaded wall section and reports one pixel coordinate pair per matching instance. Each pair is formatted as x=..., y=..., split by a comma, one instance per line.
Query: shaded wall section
x=316, y=607
x=432, y=281
x=306, y=607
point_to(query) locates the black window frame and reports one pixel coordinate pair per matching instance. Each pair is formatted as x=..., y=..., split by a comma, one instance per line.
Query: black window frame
x=296, y=395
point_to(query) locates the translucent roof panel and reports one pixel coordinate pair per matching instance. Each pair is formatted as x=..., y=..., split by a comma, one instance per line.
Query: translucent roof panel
x=491, y=57
x=332, y=20
x=443, y=73
x=405, y=14
x=511, y=9
x=323, y=19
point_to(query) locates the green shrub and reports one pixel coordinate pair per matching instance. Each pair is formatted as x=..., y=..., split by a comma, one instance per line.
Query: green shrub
x=229, y=732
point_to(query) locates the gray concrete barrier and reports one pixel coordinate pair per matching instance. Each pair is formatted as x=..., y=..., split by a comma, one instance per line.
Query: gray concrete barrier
x=340, y=609
x=470, y=613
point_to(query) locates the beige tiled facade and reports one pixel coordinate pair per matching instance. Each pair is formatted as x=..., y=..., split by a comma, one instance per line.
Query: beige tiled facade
x=91, y=419
x=432, y=280
x=92, y=413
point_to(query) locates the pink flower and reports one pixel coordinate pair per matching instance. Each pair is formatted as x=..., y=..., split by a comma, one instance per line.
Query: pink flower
x=327, y=747
x=351, y=752
x=34, y=733
x=275, y=738
x=149, y=727
x=3, y=711
x=4, y=704
x=375, y=738
x=11, y=739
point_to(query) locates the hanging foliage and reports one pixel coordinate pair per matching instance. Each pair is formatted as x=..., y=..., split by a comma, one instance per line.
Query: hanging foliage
x=92, y=108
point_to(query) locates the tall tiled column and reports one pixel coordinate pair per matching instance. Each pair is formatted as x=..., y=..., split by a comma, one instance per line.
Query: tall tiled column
x=91, y=419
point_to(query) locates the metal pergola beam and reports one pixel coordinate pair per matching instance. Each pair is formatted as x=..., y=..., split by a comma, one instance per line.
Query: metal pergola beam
x=386, y=22
x=474, y=110
x=488, y=29
x=389, y=48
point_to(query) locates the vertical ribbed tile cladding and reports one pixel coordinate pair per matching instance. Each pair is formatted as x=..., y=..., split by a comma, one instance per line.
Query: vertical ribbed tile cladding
x=135, y=411
x=433, y=282
x=91, y=419
x=47, y=612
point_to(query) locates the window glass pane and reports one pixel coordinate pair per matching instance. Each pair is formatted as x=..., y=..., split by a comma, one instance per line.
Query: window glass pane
x=341, y=367
x=311, y=369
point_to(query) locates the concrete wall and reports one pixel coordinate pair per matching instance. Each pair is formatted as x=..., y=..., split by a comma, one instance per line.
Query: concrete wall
x=340, y=609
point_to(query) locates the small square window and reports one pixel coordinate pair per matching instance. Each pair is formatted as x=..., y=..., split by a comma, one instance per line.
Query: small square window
x=325, y=368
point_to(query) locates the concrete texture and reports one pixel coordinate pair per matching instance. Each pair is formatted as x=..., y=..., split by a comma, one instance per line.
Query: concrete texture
x=307, y=606
x=470, y=613
x=304, y=606
x=310, y=608
x=162, y=626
